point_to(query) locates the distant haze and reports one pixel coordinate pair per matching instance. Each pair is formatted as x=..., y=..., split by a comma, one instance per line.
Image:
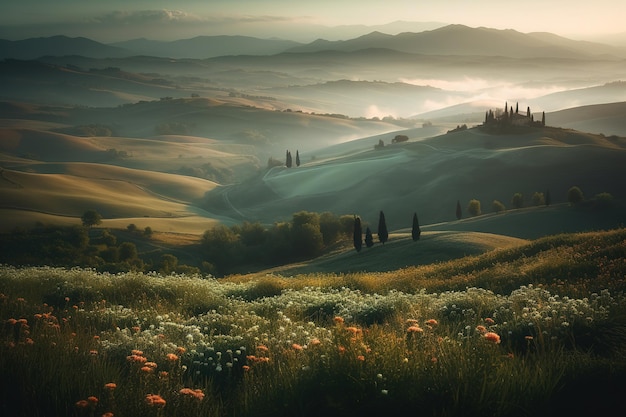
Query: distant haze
x=117, y=20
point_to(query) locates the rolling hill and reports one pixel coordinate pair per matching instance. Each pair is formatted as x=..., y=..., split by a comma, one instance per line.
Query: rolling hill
x=58, y=45
x=428, y=176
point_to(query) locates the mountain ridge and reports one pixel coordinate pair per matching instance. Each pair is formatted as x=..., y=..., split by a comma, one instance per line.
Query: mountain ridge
x=452, y=39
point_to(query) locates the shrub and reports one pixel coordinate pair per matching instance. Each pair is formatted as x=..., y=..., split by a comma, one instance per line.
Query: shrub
x=538, y=199
x=575, y=195
x=473, y=207
x=497, y=206
x=91, y=218
x=517, y=201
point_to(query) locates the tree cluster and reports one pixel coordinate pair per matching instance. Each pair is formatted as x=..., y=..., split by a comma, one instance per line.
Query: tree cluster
x=383, y=233
x=289, y=159
x=510, y=117
x=304, y=237
x=69, y=246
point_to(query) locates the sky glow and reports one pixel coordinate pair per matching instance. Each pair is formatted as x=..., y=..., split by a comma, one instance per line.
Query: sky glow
x=117, y=20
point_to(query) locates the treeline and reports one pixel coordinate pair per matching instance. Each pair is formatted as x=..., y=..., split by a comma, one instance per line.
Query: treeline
x=305, y=236
x=574, y=196
x=69, y=246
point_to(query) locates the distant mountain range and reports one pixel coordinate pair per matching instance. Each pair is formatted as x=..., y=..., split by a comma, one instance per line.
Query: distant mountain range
x=447, y=40
x=463, y=40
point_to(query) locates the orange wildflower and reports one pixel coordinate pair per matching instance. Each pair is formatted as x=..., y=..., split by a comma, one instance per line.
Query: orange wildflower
x=163, y=374
x=297, y=347
x=481, y=328
x=414, y=329
x=108, y=414
x=172, y=357
x=338, y=320
x=180, y=350
x=155, y=400
x=136, y=359
x=151, y=364
x=136, y=352
x=82, y=404
x=432, y=322
x=353, y=330
x=147, y=369
x=492, y=337
x=361, y=358
x=246, y=368
x=489, y=320
x=110, y=386
x=315, y=342
x=193, y=393
x=342, y=349
x=92, y=400
x=262, y=348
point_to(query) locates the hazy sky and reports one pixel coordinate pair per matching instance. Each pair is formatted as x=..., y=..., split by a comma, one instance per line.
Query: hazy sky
x=116, y=20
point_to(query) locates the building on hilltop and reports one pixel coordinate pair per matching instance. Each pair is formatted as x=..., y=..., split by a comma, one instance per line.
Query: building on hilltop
x=508, y=117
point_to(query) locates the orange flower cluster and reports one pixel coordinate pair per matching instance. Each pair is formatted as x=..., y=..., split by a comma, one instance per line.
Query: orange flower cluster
x=193, y=393
x=315, y=342
x=136, y=359
x=257, y=359
x=338, y=320
x=414, y=329
x=297, y=347
x=155, y=400
x=492, y=337
x=110, y=386
x=172, y=357
x=91, y=401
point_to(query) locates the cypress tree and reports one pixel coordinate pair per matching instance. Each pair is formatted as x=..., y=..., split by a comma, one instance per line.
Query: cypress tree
x=383, y=234
x=297, y=158
x=358, y=234
x=543, y=118
x=289, y=160
x=516, y=108
x=415, y=230
x=459, y=212
x=528, y=112
x=369, y=239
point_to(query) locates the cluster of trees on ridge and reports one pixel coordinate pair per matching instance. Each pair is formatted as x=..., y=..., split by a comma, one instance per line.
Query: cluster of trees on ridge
x=508, y=117
x=305, y=236
x=574, y=196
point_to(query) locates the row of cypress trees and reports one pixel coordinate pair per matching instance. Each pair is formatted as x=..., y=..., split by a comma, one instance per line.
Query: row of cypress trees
x=383, y=233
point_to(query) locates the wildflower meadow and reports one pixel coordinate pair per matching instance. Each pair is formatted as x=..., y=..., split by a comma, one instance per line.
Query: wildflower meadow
x=535, y=330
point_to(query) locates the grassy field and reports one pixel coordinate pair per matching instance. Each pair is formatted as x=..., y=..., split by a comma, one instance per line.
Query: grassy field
x=538, y=328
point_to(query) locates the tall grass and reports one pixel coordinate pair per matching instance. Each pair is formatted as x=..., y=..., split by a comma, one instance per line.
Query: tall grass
x=508, y=333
